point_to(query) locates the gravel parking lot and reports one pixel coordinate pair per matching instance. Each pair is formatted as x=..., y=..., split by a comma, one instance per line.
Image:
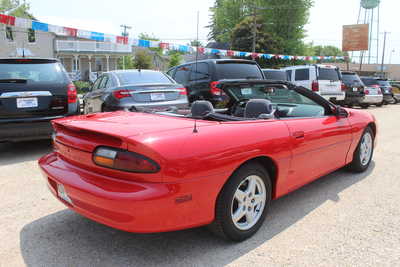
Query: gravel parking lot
x=342, y=219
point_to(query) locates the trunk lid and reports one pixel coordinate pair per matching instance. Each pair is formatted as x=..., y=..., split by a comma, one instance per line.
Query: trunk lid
x=154, y=92
x=115, y=128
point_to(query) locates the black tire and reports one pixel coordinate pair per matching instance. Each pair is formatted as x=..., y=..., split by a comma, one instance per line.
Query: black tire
x=223, y=225
x=364, y=105
x=357, y=165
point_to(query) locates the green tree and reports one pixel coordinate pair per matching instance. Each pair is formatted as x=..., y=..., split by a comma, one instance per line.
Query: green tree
x=328, y=50
x=16, y=8
x=175, y=58
x=284, y=20
x=128, y=61
x=143, y=60
x=196, y=43
x=242, y=37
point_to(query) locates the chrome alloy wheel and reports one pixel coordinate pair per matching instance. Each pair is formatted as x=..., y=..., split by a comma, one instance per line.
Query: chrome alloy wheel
x=248, y=202
x=366, y=148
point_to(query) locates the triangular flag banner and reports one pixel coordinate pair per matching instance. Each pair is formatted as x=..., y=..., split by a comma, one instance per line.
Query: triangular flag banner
x=102, y=37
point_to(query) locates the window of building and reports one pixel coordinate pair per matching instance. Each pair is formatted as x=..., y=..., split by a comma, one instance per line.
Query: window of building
x=9, y=34
x=31, y=36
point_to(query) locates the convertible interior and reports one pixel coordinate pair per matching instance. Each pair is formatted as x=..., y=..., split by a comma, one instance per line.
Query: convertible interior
x=259, y=101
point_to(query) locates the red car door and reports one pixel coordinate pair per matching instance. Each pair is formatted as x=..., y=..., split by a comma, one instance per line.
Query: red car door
x=319, y=146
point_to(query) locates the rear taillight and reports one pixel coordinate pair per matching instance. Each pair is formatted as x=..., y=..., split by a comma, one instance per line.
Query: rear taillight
x=72, y=93
x=315, y=86
x=214, y=89
x=182, y=91
x=343, y=87
x=124, y=160
x=122, y=93
x=366, y=92
x=379, y=91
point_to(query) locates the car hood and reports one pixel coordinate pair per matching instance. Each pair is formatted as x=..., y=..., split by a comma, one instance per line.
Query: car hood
x=125, y=124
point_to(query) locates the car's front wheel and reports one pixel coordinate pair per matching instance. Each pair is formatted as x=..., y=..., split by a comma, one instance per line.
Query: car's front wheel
x=243, y=203
x=363, y=155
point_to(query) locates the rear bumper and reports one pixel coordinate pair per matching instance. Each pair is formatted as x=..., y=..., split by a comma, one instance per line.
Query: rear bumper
x=26, y=129
x=132, y=206
x=372, y=99
x=333, y=97
x=387, y=97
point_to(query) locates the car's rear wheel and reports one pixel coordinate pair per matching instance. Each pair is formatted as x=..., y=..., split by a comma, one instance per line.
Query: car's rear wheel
x=243, y=203
x=363, y=155
x=364, y=105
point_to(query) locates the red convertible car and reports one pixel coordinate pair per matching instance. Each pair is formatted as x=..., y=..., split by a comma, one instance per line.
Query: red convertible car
x=155, y=172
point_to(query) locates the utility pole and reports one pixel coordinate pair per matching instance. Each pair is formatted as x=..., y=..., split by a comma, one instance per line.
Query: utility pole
x=125, y=34
x=254, y=29
x=383, y=53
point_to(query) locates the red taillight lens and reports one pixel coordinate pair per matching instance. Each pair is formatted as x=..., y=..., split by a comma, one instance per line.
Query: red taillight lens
x=315, y=86
x=215, y=90
x=343, y=87
x=379, y=91
x=72, y=93
x=366, y=92
x=124, y=160
x=122, y=93
x=182, y=91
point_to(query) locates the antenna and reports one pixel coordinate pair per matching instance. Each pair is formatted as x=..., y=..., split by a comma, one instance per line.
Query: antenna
x=195, y=126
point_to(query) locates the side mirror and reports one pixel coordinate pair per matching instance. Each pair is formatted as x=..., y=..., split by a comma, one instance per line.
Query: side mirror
x=340, y=112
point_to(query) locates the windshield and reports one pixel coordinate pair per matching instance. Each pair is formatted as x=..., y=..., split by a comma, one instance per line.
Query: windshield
x=369, y=81
x=277, y=95
x=328, y=74
x=238, y=70
x=275, y=75
x=351, y=78
x=384, y=83
x=142, y=77
x=33, y=73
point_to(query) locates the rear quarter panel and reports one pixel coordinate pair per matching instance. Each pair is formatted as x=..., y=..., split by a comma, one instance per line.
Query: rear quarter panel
x=218, y=150
x=359, y=120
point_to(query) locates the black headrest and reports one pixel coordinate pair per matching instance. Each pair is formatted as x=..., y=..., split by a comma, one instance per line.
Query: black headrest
x=256, y=107
x=200, y=108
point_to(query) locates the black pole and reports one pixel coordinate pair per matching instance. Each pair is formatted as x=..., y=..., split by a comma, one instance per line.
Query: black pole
x=383, y=53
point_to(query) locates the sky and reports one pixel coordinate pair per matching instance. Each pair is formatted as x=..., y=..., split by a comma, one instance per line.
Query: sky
x=176, y=20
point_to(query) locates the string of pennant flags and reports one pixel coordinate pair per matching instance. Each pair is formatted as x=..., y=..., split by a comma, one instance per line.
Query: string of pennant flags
x=102, y=37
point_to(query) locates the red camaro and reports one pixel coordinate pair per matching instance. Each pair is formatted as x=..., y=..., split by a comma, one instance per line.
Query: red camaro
x=154, y=172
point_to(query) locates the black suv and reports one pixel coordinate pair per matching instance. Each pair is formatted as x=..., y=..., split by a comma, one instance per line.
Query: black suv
x=201, y=78
x=33, y=92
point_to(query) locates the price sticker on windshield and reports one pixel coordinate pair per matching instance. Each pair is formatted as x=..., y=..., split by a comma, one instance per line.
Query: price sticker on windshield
x=246, y=91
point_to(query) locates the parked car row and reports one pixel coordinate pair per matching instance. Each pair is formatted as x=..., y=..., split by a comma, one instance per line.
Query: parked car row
x=35, y=91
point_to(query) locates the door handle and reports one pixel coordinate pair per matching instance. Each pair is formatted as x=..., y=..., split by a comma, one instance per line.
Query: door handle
x=298, y=134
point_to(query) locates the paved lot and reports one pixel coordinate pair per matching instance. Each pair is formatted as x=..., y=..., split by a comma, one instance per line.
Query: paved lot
x=342, y=219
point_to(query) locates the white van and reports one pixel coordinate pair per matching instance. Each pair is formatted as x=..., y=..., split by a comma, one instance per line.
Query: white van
x=322, y=79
